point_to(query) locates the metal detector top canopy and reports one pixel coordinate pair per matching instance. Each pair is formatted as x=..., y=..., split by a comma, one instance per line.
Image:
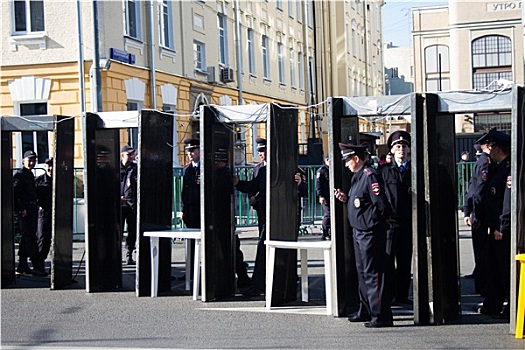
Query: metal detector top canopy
x=243, y=114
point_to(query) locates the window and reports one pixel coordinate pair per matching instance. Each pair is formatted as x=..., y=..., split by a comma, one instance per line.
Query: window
x=266, y=57
x=223, y=39
x=166, y=24
x=290, y=8
x=299, y=11
x=279, y=4
x=292, y=68
x=199, y=53
x=491, y=60
x=310, y=13
x=29, y=16
x=354, y=42
x=251, y=51
x=300, y=70
x=132, y=16
x=485, y=122
x=437, y=68
x=35, y=140
x=280, y=59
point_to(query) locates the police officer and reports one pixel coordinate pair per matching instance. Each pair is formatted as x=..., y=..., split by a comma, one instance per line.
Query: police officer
x=44, y=193
x=128, y=199
x=497, y=252
x=191, y=209
x=256, y=187
x=368, y=210
x=474, y=212
x=398, y=190
x=322, y=187
x=25, y=201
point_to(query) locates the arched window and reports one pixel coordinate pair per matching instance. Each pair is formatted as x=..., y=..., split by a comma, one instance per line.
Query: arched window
x=491, y=60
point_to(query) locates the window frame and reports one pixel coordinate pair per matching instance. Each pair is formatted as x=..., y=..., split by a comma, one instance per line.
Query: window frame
x=250, y=38
x=166, y=14
x=222, y=30
x=265, y=56
x=199, y=48
x=300, y=69
x=280, y=63
x=292, y=68
x=481, y=74
x=136, y=14
x=28, y=18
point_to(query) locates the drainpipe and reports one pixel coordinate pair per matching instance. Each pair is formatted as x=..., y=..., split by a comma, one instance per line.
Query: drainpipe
x=80, y=58
x=96, y=94
x=238, y=44
x=151, y=47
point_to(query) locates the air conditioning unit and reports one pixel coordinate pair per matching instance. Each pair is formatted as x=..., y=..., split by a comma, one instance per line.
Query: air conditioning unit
x=212, y=77
x=227, y=75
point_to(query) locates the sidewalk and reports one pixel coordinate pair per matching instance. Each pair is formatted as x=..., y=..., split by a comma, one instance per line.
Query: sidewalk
x=32, y=316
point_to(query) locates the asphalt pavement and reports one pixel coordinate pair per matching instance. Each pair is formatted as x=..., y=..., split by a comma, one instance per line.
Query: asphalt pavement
x=35, y=317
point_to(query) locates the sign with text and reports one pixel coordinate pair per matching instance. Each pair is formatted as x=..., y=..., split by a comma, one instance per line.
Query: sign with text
x=121, y=56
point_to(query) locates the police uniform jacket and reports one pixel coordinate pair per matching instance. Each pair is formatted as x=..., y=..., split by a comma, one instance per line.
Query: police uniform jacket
x=190, y=188
x=24, y=189
x=398, y=190
x=495, y=191
x=322, y=183
x=504, y=219
x=367, y=205
x=302, y=188
x=128, y=183
x=477, y=189
x=256, y=187
x=44, y=192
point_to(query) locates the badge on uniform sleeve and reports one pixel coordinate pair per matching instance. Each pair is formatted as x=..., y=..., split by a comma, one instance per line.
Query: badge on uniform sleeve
x=375, y=188
x=484, y=175
x=357, y=203
x=318, y=175
x=509, y=181
x=493, y=191
x=128, y=183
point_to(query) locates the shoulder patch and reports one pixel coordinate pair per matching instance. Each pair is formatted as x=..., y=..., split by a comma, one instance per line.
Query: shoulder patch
x=484, y=175
x=318, y=175
x=509, y=181
x=368, y=171
x=376, y=189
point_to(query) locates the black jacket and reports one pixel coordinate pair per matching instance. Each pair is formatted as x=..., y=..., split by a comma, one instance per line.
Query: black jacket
x=128, y=183
x=322, y=182
x=44, y=192
x=24, y=189
x=398, y=190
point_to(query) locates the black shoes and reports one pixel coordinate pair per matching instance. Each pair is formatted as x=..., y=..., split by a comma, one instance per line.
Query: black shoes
x=39, y=272
x=379, y=324
x=244, y=282
x=358, y=318
x=251, y=292
x=24, y=270
x=130, y=261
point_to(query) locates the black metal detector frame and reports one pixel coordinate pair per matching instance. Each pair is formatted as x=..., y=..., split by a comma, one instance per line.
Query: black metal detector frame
x=62, y=220
x=154, y=199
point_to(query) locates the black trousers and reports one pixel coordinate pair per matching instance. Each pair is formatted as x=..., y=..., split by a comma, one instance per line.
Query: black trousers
x=259, y=270
x=370, y=260
x=28, y=247
x=326, y=220
x=399, y=252
x=497, y=255
x=480, y=239
x=44, y=235
x=129, y=215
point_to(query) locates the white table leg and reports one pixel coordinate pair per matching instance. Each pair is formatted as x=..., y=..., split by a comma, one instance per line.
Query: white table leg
x=154, y=246
x=197, y=269
x=328, y=279
x=304, y=274
x=270, y=267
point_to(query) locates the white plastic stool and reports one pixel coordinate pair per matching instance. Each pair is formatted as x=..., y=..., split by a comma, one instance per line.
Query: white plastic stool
x=302, y=247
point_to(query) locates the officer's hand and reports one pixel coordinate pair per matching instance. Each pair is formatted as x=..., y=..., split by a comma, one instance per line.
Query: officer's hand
x=498, y=236
x=122, y=200
x=235, y=179
x=253, y=201
x=24, y=213
x=466, y=219
x=322, y=200
x=474, y=223
x=340, y=195
x=298, y=178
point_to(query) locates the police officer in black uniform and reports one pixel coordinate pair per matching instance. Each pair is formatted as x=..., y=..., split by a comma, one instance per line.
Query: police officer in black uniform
x=497, y=252
x=191, y=199
x=368, y=210
x=256, y=187
x=322, y=187
x=44, y=193
x=475, y=213
x=398, y=190
x=128, y=199
x=25, y=202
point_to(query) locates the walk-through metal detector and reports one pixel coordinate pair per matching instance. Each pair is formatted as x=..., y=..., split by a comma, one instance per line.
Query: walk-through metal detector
x=62, y=220
x=282, y=150
x=102, y=195
x=435, y=232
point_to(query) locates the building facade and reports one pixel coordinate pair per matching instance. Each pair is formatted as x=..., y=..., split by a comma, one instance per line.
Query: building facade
x=469, y=46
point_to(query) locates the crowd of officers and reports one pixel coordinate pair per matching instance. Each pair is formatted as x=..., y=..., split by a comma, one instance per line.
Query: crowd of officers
x=379, y=205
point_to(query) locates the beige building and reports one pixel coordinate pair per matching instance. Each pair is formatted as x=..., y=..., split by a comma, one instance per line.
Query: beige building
x=190, y=45
x=469, y=45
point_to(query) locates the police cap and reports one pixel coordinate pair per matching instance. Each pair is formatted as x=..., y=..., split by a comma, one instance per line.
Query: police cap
x=495, y=137
x=348, y=150
x=477, y=148
x=127, y=149
x=398, y=136
x=49, y=161
x=192, y=144
x=261, y=144
x=30, y=154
